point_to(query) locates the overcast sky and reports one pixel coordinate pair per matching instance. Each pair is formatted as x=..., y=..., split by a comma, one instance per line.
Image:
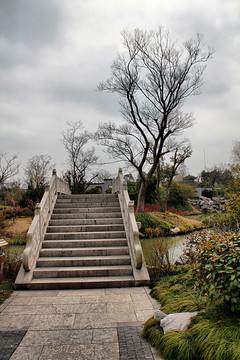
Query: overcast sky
x=54, y=53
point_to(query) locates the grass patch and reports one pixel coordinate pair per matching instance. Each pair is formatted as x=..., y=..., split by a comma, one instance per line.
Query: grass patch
x=148, y=221
x=174, y=220
x=214, y=334
x=19, y=240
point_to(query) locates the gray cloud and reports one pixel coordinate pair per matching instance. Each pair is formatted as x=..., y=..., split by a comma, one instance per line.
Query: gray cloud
x=30, y=22
x=53, y=54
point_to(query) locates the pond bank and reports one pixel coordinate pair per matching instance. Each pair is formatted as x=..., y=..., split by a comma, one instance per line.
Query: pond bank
x=155, y=224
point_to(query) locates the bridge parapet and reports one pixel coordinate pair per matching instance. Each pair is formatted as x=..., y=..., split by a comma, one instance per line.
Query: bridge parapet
x=41, y=218
x=131, y=226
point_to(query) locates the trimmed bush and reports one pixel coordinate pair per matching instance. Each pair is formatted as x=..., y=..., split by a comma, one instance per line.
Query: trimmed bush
x=217, y=268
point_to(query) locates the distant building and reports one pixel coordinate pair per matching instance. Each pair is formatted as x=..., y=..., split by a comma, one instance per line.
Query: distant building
x=102, y=186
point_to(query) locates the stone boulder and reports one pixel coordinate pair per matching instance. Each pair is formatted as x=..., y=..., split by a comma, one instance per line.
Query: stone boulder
x=177, y=321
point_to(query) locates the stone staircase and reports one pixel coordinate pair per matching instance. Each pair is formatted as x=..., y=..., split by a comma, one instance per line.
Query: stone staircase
x=85, y=246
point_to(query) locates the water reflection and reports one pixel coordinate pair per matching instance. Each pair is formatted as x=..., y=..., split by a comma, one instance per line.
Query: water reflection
x=174, y=245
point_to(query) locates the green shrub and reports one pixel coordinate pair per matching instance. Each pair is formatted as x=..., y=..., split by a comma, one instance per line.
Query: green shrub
x=223, y=222
x=95, y=190
x=180, y=194
x=217, y=268
x=209, y=193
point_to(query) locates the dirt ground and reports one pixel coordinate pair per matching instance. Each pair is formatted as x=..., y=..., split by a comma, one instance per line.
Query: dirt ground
x=16, y=228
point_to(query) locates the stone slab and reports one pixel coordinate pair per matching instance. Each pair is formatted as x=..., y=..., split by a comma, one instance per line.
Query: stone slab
x=27, y=353
x=82, y=351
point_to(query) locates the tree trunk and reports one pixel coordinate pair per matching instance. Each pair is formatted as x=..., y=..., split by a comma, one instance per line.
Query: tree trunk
x=141, y=196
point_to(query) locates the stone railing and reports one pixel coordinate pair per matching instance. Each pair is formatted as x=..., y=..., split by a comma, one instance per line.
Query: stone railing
x=131, y=227
x=41, y=218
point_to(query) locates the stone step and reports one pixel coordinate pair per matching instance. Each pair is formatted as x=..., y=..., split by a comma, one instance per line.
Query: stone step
x=83, y=243
x=85, y=228
x=81, y=283
x=101, y=221
x=84, y=261
x=87, y=215
x=107, y=209
x=88, y=196
x=87, y=204
x=85, y=235
x=90, y=271
x=87, y=199
x=86, y=251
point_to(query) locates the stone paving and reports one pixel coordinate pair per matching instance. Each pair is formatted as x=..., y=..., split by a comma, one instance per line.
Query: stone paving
x=77, y=324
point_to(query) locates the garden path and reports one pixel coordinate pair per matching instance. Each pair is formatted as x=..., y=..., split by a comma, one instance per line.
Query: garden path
x=84, y=324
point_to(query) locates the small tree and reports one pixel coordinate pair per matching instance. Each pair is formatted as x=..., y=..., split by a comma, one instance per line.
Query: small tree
x=180, y=154
x=36, y=176
x=180, y=194
x=79, y=160
x=153, y=80
x=37, y=170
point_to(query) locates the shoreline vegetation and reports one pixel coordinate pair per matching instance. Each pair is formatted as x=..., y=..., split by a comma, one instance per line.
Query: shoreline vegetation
x=212, y=335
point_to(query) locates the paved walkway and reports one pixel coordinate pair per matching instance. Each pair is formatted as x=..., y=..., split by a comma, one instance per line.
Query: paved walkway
x=98, y=324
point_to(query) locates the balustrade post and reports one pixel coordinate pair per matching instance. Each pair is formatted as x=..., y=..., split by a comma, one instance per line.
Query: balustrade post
x=131, y=206
x=38, y=212
x=125, y=187
x=47, y=189
x=55, y=175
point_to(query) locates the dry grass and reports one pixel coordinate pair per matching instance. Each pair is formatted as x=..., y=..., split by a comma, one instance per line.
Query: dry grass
x=175, y=220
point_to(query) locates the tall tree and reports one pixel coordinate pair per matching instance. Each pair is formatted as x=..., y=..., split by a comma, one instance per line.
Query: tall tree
x=79, y=159
x=153, y=79
x=8, y=167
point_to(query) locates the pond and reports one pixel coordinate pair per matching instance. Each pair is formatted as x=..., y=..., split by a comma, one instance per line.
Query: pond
x=174, y=245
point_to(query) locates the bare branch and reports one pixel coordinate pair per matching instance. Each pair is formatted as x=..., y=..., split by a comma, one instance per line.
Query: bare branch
x=8, y=167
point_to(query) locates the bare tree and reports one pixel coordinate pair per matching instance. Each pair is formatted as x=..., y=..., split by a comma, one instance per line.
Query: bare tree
x=79, y=159
x=235, y=155
x=101, y=175
x=153, y=80
x=37, y=170
x=8, y=167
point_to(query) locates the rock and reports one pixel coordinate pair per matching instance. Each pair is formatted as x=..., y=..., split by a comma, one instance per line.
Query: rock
x=205, y=204
x=182, y=260
x=177, y=321
x=175, y=230
x=158, y=315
